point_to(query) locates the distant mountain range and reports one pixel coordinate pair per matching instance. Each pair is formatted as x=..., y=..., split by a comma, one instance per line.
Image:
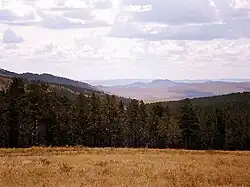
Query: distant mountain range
x=144, y=89
x=124, y=82
x=166, y=90
x=117, y=82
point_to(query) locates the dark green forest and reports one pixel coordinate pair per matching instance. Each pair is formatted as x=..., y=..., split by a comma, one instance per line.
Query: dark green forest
x=33, y=114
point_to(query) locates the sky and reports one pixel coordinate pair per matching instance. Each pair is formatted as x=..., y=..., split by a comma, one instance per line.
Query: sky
x=115, y=39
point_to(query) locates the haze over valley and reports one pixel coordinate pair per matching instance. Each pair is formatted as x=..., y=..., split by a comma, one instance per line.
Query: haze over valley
x=165, y=90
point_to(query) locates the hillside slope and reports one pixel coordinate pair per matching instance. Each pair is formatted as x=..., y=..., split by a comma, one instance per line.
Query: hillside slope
x=62, y=86
x=76, y=86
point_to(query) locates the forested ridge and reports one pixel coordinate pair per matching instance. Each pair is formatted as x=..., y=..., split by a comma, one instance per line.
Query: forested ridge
x=73, y=85
x=33, y=114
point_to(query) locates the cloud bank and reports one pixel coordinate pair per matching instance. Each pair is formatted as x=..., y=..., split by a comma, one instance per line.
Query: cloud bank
x=10, y=36
x=185, y=20
x=127, y=38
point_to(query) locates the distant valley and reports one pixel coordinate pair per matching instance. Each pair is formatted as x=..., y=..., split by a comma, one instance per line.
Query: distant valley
x=123, y=82
x=142, y=89
x=167, y=90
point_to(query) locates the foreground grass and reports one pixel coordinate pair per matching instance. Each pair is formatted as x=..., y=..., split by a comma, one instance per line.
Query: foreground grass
x=122, y=167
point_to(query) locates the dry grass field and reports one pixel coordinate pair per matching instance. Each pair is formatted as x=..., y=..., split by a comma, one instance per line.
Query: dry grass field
x=73, y=167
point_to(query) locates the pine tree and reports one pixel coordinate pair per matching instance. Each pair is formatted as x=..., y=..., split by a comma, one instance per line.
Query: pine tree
x=207, y=120
x=153, y=126
x=132, y=131
x=189, y=127
x=95, y=119
x=66, y=115
x=220, y=139
x=112, y=121
x=120, y=130
x=82, y=119
x=142, y=125
x=33, y=103
x=4, y=133
x=173, y=132
x=50, y=119
x=107, y=121
x=163, y=127
x=15, y=94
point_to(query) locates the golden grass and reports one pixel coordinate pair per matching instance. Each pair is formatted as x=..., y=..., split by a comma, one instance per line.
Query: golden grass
x=78, y=166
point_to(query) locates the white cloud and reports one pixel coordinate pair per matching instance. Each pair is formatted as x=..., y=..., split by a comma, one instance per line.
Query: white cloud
x=11, y=46
x=16, y=12
x=62, y=22
x=10, y=36
x=84, y=14
x=176, y=12
x=185, y=20
x=192, y=11
x=103, y=4
x=63, y=15
x=101, y=39
x=233, y=29
x=7, y=15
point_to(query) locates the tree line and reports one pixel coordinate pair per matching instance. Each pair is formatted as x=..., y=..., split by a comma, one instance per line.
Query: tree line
x=33, y=114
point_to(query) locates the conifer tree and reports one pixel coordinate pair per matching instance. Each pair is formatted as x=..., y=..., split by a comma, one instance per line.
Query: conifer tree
x=95, y=120
x=4, y=133
x=82, y=119
x=15, y=94
x=188, y=125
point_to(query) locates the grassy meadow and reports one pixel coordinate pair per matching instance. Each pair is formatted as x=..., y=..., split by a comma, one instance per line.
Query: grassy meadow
x=76, y=167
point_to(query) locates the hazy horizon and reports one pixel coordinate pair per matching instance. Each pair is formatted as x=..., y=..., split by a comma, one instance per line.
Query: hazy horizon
x=133, y=80
x=121, y=82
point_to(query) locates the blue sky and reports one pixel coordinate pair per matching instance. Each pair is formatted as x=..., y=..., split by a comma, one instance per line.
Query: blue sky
x=113, y=39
